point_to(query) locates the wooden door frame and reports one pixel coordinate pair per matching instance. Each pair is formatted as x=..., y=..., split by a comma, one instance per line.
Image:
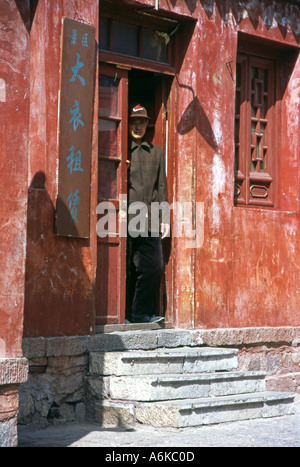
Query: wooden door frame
x=112, y=71
x=164, y=116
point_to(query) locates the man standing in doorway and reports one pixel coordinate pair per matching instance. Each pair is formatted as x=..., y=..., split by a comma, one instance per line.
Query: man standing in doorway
x=148, y=218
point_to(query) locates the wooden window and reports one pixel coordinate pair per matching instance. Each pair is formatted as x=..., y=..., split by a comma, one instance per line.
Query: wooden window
x=137, y=40
x=133, y=40
x=125, y=38
x=108, y=126
x=255, y=131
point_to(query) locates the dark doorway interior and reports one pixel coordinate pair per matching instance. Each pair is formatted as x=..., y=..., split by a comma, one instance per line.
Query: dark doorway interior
x=143, y=89
x=151, y=90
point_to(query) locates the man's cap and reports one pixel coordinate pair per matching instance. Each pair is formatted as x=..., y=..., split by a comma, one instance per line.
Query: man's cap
x=138, y=111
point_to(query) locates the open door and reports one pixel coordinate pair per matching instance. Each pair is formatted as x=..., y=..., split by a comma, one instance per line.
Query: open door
x=118, y=87
x=112, y=189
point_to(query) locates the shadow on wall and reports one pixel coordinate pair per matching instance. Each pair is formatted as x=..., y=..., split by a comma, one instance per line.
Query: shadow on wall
x=68, y=382
x=59, y=293
x=286, y=15
x=195, y=117
x=59, y=298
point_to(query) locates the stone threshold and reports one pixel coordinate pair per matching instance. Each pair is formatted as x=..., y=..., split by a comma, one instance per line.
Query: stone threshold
x=107, y=328
x=148, y=338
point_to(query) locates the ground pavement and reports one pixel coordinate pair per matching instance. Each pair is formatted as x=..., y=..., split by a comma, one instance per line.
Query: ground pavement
x=270, y=432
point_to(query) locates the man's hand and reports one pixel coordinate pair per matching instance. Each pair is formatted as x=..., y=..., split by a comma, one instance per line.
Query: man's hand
x=165, y=230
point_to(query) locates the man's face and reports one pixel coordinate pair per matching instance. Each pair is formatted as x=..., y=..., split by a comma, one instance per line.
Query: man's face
x=137, y=128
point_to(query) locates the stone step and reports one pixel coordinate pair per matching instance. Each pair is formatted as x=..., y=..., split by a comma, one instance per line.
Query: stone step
x=195, y=412
x=163, y=361
x=185, y=386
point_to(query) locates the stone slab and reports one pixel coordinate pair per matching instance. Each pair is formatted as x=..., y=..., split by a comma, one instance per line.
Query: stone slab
x=13, y=370
x=107, y=328
x=193, y=413
x=273, y=432
x=205, y=411
x=168, y=361
x=143, y=337
x=186, y=386
x=116, y=414
x=9, y=433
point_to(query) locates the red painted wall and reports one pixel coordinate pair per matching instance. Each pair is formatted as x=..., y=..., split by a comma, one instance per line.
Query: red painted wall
x=14, y=118
x=60, y=272
x=246, y=273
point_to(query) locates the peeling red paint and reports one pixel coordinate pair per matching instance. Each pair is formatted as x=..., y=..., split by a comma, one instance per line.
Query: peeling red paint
x=58, y=269
x=246, y=273
x=14, y=115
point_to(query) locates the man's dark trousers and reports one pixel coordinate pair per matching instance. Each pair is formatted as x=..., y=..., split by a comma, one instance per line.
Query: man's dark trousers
x=147, y=266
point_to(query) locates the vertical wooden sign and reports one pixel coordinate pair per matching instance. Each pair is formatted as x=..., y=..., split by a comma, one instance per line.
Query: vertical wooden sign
x=77, y=83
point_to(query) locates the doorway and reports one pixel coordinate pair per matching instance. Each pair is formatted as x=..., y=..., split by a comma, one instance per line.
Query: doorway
x=118, y=87
x=145, y=87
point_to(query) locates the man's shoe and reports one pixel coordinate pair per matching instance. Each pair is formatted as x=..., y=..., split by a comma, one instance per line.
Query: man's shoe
x=156, y=319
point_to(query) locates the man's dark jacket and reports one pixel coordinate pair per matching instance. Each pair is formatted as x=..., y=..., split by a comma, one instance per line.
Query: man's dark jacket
x=147, y=183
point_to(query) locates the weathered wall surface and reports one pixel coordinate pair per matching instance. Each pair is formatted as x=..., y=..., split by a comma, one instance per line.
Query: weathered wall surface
x=14, y=118
x=246, y=273
x=60, y=272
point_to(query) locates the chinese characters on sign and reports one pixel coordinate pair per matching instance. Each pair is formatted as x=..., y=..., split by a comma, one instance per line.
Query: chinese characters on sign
x=75, y=129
